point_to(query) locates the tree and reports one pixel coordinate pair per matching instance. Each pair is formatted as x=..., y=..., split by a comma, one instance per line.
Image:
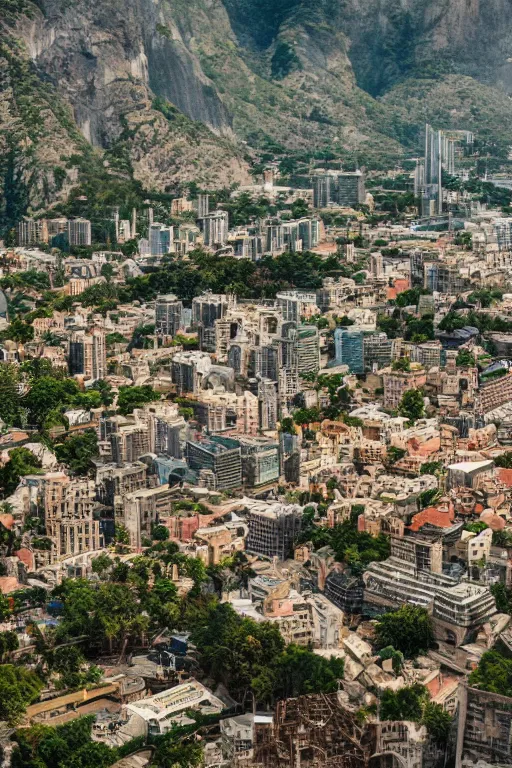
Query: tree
x=160, y=533
x=404, y=704
x=177, y=755
x=8, y=642
x=419, y=329
x=412, y=406
x=426, y=498
x=287, y=426
x=452, y=321
x=48, y=394
x=66, y=746
x=101, y=564
x=437, y=721
x=306, y=416
x=105, y=390
x=505, y=460
x=21, y=462
x=107, y=271
x=299, y=672
x=78, y=451
x=394, y=454
x=18, y=688
x=9, y=394
x=409, y=630
x=397, y=657
x=494, y=674
x=431, y=467
x=502, y=539
x=465, y=359
x=69, y=662
x=134, y=397
x=121, y=535
x=19, y=331
x=402, y=364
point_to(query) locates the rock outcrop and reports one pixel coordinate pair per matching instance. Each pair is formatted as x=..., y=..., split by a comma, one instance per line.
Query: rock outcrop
x=182, y=90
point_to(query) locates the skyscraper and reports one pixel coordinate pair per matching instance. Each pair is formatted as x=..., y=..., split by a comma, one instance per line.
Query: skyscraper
x=79, y=232
x=32, y=231
x=349, y=348
x=207, y=308
x=88, y=353
x=203, y=206
x=215, y=229
x=160, y=239
x=168, y=315
x=308, y=349
x=343, y=188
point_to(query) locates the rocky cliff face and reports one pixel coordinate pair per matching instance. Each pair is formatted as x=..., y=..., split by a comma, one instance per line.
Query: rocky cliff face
x=174, y=86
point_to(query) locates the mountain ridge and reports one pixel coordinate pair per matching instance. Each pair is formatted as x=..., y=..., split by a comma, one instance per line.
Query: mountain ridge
x=187, y=90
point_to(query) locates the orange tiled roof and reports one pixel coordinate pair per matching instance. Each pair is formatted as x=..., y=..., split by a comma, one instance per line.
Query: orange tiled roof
x=433, y=516
x=505, y=476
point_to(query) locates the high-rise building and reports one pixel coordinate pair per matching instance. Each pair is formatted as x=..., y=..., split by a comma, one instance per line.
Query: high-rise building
x=32, y=231
x=188, y=370
x=66, y=507
x=292, y=241
x=203, y=206
x=338, y=188
x=79, y=232
x=160, y=239
x=57, y=227
x=416, y=259
x=266, y=362
x=180, y=205
x=88, y=353
x=274, y=236
x=309, y=233
x=215, y=229
x=248, y=247
x=273, y=528
x=267, y=396
x=322, y=186
x=445, y=278
x=168, y=315
x=219, y=456
x=377, y=350
x=207, y=308
x=349, y=346
x=503, y=233
x=165, y=427
x=260, y=461
x=308, y=349
x=296, y=304
x=351, y=189
x=441, y=148
x=129, y=443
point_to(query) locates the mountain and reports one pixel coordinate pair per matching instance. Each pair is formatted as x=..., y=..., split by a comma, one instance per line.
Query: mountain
x=164, y=92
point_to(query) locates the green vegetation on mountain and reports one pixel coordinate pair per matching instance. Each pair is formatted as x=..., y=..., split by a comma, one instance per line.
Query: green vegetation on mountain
x=299, y=82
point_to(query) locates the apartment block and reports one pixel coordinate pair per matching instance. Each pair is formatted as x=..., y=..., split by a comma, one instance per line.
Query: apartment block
x=168, y=315
x=66, y=508
x=273, y=528
x=260, y=461
x=398, y=382
x=218, y=456
x=88, y=353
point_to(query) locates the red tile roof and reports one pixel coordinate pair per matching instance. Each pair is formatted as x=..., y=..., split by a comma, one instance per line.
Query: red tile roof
x=433, y=516
x=505, y=476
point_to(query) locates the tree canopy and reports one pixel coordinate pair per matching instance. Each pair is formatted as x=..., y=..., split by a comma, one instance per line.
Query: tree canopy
x=409, y=630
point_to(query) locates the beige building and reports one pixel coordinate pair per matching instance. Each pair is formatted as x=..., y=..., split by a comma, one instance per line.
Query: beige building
x=398, y=382
x=143, y=509
x=66, y=506
x=88, y=353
